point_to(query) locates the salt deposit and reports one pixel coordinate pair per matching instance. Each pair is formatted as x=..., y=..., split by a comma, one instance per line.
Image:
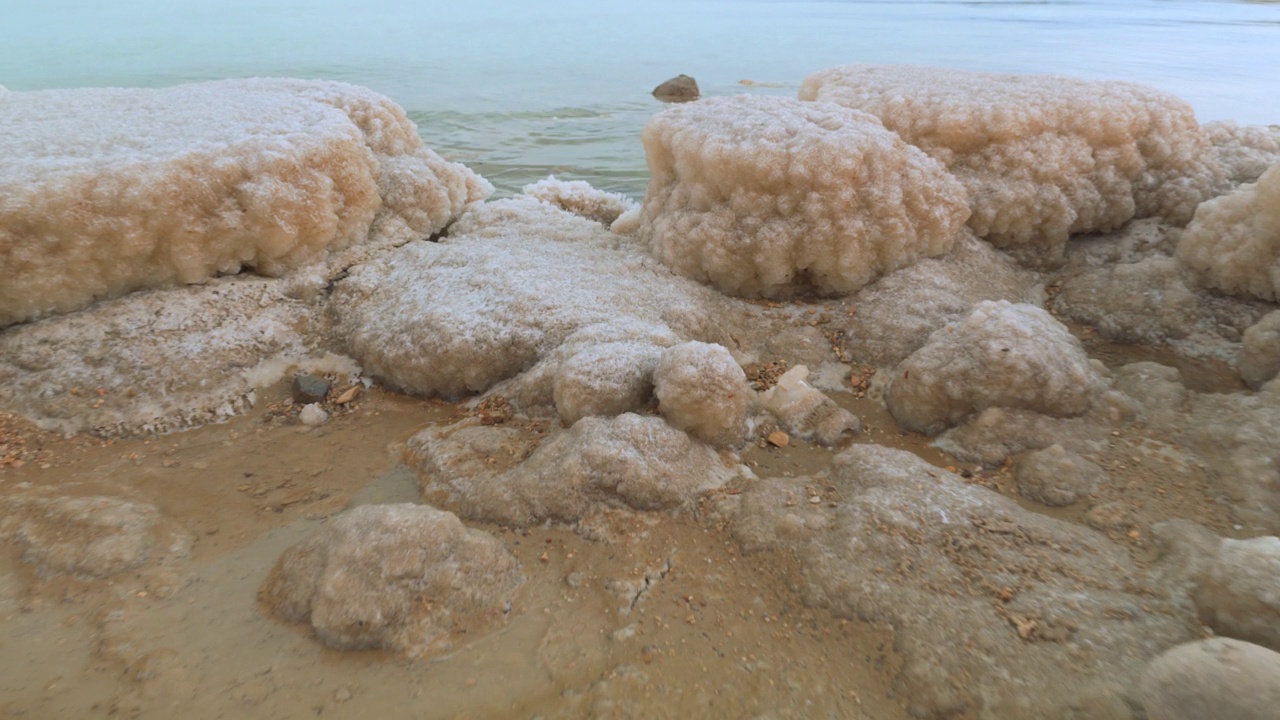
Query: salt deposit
x=398, y=577
x=580, y=198
x=514, y=281
x=1238, y=591
x=765, y=196
x=974, y=586
x=629, y=462
x=262, y=174
x=1246, y=151
x=1214, y=678
x=1054, y=476
x=805, y=411
x=1260, y=357
x=1041, y=156
x=702, y=390
x=1001, y=356
x=1233, y=243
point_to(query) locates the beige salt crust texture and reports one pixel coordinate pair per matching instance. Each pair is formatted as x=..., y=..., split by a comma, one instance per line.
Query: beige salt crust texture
x=1041, y=156
x=398, y=577
x=1233, y=243
x=769, y=197
x=107, y=191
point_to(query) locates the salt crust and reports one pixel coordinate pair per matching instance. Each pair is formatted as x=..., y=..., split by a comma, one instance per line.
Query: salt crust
x=164, y=360
x=397, y=577
x=894, y=316
x=767, y=196
x=806, y=412
x=1260, y=357
x=262, y=174
x=1233, y=243
x=1002, y=355
x=580, y=198
x=702, y=390
x=1042, y=156
x=514, y=280
x=913, y=546
x=1214, y=678
x=1246, y=151
x=1238, y=591
x=629, y=462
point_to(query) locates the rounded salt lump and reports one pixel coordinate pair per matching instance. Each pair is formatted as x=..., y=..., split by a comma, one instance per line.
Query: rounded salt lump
x=398, y=577
x=1215, y=678
x=702, y=390
x=1001, y=355
x=768, y=196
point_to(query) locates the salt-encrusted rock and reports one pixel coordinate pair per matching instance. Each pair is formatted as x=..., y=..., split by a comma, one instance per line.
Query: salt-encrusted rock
x=767, y=196
x=1238, y=592
x=602, y=369
x=313, y=415
x=1215, y=678
x=89, y=537
x=1054, y=476
x=680, y=88
x=1246, y=151
x=894, y=316
x=1002, y=355
x=806, y=412
x=702, y=390
x=111, y=190
x=1260, y=359
x=1142, y=302
x=160, y=360
x=1042, y=156
x=1156, y=388
x=996, y=434
x=629, y=462
x=580, y=198
x=399, y=577
x=1233, y=243
x=513, y=282
x=998, y=612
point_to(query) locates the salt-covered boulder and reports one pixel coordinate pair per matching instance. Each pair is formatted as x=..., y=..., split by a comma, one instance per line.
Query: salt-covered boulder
x=806, y=412
x=1042, y=156
x=629, y=462
x=514, y=280
x=1260, y=357
x=398, y=577
x=1238, y=591
x=1233, y=243
x=767, y=196
x=997, y=612
x=1215, y=678
x=1053, y=476
x=1001, y=356
x=702, y=390
x=158, y=361
x=111, y=190
x=895, y=315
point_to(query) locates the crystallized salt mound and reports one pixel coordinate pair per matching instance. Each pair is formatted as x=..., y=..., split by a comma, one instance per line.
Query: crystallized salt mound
x=766, y=196
x=1246, y=151
x=1260, y=357
x=1238, y=591
x=398, y=577
x=1054, y=476
x=627, y=462
x=702, y=390
x=89, y=537
x=806, y=412
x=894, y=316
x=601, y=369
x=107, y=191
x=1001, y=356
x=1041, y=156
x=1214, y=678
x=580, y=198
x=514, y=280
x=157, y=361
x=997, y=612
x=1233, y=244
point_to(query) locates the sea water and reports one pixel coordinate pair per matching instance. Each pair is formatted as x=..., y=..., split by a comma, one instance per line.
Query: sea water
x=520, y=90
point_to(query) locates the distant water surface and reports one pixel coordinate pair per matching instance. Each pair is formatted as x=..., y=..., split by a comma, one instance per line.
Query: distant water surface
x=519, y=90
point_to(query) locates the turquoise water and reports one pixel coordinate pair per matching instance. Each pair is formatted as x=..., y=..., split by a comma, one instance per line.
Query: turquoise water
x=520, y=90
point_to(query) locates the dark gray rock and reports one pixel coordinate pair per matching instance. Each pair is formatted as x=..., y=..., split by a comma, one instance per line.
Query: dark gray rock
x=680, y=88
x=309, y=389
